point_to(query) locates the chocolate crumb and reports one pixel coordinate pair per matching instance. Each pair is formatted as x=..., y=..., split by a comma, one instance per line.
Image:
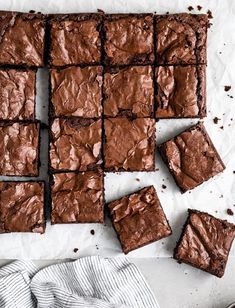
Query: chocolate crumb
x=221, y=127
x=230, y=96
x=138, y=180
x=199, y=7
x=167, y=13
x=163, y=186
x=216, y=119
x=227, y=88
x=100, y=11
x=216, y=211
x=190, y=8
x=157, y=169
x=32, y=11
x=92, y=232
x=97, y=247
x=75, y=250
x=234, y=171
x=230, y=212
x=221, y=196
x=220, y=52
x=209, y=13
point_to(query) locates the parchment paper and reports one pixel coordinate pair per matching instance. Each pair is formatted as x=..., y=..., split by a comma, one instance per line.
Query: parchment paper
x=215, y=196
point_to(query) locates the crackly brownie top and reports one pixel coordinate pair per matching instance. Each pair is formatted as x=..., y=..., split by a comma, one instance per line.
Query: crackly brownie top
x=139, y=219
x=191, y=157
x=75, y=144
x=74, y=39
x=206, y=242
x=17, y=94
x=22, y=38
x=22, y=207
x=181, y=38
x=19, y=149
x=128, y=92
x=77, y=197
x=128, y=39
x=181, y=91
x=76, y=91
x=129, y=144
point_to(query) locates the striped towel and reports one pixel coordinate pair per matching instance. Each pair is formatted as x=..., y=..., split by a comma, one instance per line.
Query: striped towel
x=89, y=282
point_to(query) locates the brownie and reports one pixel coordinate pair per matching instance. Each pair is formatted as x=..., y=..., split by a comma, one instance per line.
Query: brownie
x=191, y=157
x=205, y=242
x=181, y=38
x=75, y=144
x=76, y=92
x=22, y=39
x=139, y=219
x=17, y=94
x=19, y=143
x=74, y=39
x=129, y=145
x=77, y=197
x=128, y=92
x=181, y=91
x=128, y=39
x=22, y=207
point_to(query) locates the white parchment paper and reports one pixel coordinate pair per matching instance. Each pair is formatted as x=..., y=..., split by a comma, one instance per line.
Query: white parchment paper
x=215, y=196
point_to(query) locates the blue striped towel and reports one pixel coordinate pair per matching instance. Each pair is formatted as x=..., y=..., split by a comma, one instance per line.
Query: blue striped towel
x=89, y=282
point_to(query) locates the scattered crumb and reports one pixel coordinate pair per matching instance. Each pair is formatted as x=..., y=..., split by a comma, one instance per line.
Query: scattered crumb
x=157, y=169
x=230, y=212
x=163, y=186
x=221, y=127
x=167, y=13
x=210, y=24
x=32, y=11
x=163, y=243
x=216, y=120
x=97, y=247
x=210, y=191
x=138, y=180
x=92, y=232
x=221, y=196
x=220, y=52
x=189, y=192
x=75, y=250
x=185, y=273
x=227, y=88
x=190, y=8
x=209, y=13
x=199, y=7
x=216, y=211
x=234, y=171
x=230, y=96
x=100, y=11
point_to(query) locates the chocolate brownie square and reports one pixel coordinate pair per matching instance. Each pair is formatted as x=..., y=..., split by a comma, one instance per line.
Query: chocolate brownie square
x=139, y=219
x=77, y=197
x=74, y=39
x=22, y=39
x=128, y=39
x=129, y=92
x=76, y=92
x=181, y=39
x=75, y=144
x=19, y=143
x=205, y=242
x=22, y=207
x=181, y=91
x=17, y=94
x=129, y=145
x=191, y=157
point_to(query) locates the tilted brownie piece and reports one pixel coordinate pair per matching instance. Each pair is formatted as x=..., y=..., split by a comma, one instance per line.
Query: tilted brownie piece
x=129, y=145
x=76, y=92
x=128, y=92
x=77, y=197
x=205, y=242
x=74, y=39
x=181, y=38
x=128, y=39
x=191, y=157
x=22, y=39
x=22, y=207
x=17, y=94
x=75, y=144
x=181, y=91
x=139, y=219
x=19, y=143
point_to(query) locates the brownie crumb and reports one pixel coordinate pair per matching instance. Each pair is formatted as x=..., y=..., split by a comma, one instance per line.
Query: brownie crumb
x=163, y=186
x=199, y=7
x=209, y=13
x=167, y=13
x=157, y=169
x=75, y=250
x=32, y=11
x=234, y=171
x=92, y=232
x=221, y=127
x=227, y=88
x=230, y=96
x=190, y=8
x=216, y=119
x=138, y=180
x=230, y=212
x=221, y=196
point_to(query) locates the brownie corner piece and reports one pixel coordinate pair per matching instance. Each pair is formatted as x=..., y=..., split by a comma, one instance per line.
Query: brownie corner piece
x=181, y=91
x=139, y=219
x=181, y=38
x=22, y=207
x=205, y=242
x=77, y=197
x=129, y=144
x=128, y=39
x=191, y=157
x=74, y=39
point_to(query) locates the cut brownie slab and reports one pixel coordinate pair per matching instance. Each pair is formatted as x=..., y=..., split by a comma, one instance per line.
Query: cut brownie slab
x=181, y=39
x=128, y=39
x=129, y=145
x=139, y=219
x=75, y=144
x=74, y=39
x=77, y=197
x=22, y=39
x=205, y=242
x=181, y=91
x=22, y=207
x=17, y=94
x=76, y=92
x=19, y=143
x=191, y=157
x=128, y=92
